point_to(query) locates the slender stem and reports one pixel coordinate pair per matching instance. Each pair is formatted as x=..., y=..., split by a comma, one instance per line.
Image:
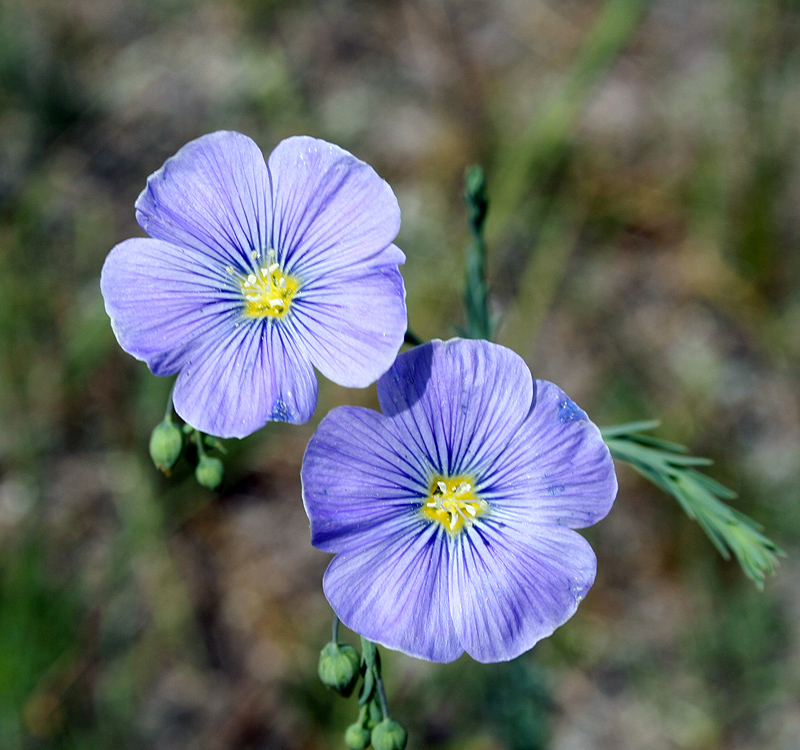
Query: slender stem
x=382, y=695
x=168, y=410
x=476, y=291
x=335, y=628
x=198, y=438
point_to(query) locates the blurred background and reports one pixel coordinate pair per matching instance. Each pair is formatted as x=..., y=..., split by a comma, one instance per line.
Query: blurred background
x=643, y=171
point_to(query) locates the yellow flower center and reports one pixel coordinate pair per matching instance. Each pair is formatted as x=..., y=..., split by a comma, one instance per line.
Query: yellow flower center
x=453, y=503
x=268, y=291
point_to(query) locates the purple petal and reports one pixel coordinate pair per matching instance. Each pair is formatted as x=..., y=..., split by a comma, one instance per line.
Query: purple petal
x=392, y=589
x=556, y=469
x=458, y=403
x=213, y=196
x=357, y=476
x=512, y=586
x=243, y=377
x=352, y=326
x=331, y=210
x=162, y=299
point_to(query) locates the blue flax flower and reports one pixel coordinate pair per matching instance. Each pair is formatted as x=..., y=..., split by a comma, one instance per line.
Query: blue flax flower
x=255, y=273
x=452, y=512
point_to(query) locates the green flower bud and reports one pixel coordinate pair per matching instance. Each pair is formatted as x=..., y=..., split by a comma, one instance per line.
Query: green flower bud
x=356, y=737
x=209, y=472
x=338, y=667
x=166, y=444
x=389, y=735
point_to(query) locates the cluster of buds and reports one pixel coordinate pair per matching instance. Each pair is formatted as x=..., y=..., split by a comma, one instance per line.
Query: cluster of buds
x=340, y=667
x=167, y=443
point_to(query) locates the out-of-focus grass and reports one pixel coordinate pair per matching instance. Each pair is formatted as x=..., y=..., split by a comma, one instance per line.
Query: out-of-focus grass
x=38, y=633
x=642, y=162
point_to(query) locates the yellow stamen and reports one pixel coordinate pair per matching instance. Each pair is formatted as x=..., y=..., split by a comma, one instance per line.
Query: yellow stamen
x=269, y=291
x=453, y=502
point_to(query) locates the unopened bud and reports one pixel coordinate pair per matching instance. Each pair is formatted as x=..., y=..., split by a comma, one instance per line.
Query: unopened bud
x=389, y=735
x=356, y=737
x=338, y=667
x=209, y=472
x=166, y=444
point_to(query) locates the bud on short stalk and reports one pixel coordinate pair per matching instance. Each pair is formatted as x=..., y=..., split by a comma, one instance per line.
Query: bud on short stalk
x=209, y=472
x=389, y=735
x=338, y=667
x=357, y=737
x=166, y=444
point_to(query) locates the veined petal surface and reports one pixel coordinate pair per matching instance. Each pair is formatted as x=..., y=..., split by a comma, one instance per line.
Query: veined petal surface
x=352, y=325
x=511, y=586
x=458, y=402
x=244, y=376
x=330, y=209
x=393, y=590
x=213, y=196
x=357, y=477
x=557, y=468
x=163, y=299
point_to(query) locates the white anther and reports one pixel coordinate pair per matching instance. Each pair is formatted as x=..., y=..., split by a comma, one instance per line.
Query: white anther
x=442, y=487
x=453, y=521
x=276, y=303
x=432, y=504
x=273, y=267
x=251, y=279
x=251, y=297
x=463, y=487
x=282, y=283
x=470, y=509
x=264, y=271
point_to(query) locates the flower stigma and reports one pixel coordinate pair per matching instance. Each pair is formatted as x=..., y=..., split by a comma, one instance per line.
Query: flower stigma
x=267, y=290
x=452, y=502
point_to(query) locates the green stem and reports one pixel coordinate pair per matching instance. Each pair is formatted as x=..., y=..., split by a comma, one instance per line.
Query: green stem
x=335, y=629
x=198, y=438
x=168, y=410
x=382, y=695
x=476, y=292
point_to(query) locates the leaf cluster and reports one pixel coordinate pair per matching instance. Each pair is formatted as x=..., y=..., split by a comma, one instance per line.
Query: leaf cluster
x=670, y=467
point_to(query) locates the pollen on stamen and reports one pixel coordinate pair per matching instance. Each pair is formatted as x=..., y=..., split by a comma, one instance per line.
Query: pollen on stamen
x=453, y=503
x=267, y=292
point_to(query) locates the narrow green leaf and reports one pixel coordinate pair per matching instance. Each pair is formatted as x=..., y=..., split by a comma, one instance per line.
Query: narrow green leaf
x=669, y=468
